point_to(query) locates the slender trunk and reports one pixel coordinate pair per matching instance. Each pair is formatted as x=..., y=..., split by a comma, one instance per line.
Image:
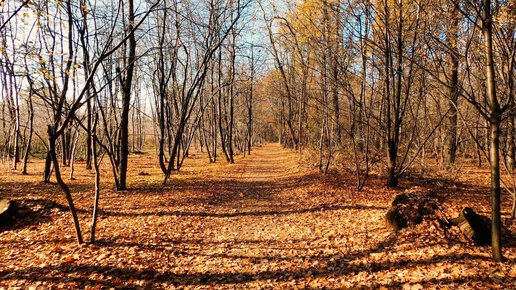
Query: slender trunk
x=62, y=184
x=250, y=106
x=126, y=101
x=221, y=130
x=88, y=129
x=72, y=155
x=31, y=131
x=494, y=153
x=232, y=97
x=392, y=179
x=161, y=137
x=494, y=136
x=511, y=154
x=231, y=113
x=64, y=148
x=478, y=136
x=16, y=140
x=97, y=185
x=16, y=145
x=511, y=131
x=450, y=141
x=47, y=172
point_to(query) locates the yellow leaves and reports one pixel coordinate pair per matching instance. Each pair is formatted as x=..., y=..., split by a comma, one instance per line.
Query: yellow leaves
x=43, y=70
x=1, y=49
x=85, y=9
x=41, y=12
x=2, y=3
x=241, y=194
x=49, y=76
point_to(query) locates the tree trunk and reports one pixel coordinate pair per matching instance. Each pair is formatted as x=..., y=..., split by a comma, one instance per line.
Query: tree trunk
x=126, y=102
x=232, y=101
x=450, y=142
x=31, y=131
x=97, y=183
x=494, y=136
x=62, y=184
x=47, y=172
x=16, y=139
x=88, y=137
x=72, y=155
x=511, y=131
x=392, y=179
x=221, y=130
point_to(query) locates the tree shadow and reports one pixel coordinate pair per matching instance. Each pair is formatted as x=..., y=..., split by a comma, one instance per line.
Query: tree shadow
x=346, y=264
x=321, y=208
x=30, y=212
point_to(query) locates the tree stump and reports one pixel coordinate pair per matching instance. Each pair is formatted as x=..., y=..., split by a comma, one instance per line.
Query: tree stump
x=7, y=211
x=409, y=209
x=474, y=226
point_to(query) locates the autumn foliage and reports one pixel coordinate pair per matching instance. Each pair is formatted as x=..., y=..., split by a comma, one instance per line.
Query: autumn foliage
x=265, y=221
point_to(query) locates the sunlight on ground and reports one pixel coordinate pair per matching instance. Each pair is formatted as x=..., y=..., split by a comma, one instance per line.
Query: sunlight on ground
x=264, y=221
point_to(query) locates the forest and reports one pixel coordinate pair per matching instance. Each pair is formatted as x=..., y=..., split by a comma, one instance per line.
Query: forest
x=162, y=144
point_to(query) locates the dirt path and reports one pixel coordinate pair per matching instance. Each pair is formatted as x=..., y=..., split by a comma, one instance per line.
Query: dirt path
x=263, y=222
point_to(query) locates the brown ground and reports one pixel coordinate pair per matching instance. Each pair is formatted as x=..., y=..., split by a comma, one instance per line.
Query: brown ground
x=263, y=222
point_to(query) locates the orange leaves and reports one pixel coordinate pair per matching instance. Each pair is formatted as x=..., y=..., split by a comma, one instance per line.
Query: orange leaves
x=294, y=229
x=69, y=259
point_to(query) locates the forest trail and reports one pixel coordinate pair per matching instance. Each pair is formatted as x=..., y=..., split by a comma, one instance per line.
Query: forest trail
x=263, y=222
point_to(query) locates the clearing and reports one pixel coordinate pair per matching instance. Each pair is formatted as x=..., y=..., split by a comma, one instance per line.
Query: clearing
x=263, y=222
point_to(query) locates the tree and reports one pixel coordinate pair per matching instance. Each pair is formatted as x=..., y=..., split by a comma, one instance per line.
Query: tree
x=126, y=82
x=450, y=142
x=495, y=118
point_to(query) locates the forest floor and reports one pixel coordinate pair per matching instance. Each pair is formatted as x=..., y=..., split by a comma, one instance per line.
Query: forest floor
x=263, y=222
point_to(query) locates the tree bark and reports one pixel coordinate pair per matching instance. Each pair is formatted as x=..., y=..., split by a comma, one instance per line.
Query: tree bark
x=97, y=183
x=31, y=132
x=62, y=184
x=126, y=101
x=450, y=142
x=494, y=136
